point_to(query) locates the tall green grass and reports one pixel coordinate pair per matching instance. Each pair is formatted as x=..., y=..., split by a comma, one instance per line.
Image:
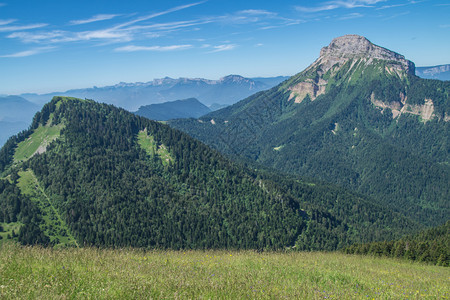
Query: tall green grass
x=39, y=273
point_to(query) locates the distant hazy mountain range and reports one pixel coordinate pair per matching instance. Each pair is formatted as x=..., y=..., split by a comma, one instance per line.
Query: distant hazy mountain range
x=188, y=108
x=216, y=93
x=15, y=115
x=16, y=112
x=441, y=72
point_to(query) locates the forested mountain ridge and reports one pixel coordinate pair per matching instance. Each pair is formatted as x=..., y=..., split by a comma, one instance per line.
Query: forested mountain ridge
x=92, y=174
x=357, y=117
x=187, y=108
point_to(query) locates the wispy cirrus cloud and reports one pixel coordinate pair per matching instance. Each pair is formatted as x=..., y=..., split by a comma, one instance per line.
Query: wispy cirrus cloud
x=154, y=15
x=6, y=22
x=133, y=48
x=32, y=37
x=134, y=29
x=21, y=27
x=224, y=47
x=96, y=18
x=122, y=32
x=351, y=16
x=257, y=12
x=28, y=52
x=59, y=36
x=396, y=15
x=410, y=2
x=249, y=16
x=392, y=6
x=331, y=5
x=170, y=25
x=2, y=4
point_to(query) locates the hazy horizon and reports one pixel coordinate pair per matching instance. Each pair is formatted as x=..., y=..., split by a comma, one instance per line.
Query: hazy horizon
x=51, y=46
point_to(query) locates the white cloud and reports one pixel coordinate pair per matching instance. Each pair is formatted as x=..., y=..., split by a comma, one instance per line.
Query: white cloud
x=268, y=27
x=148, y=17
x=256, y=12
x=224, y=47
x=246, y=16
x=106, y=34
x=59, y=36
x=397, y=15
x=169, y=25
x=330, y=5
x=23, y=27
x=392, y=6
x=6, y=22
x=259, y=45
x=134, y=28
x=351, y=16
x=133, y=48
x=28, y=37
x=123, y=32
x=96, y=18
x=262, y=18
x=28, y=52
x=317, y=8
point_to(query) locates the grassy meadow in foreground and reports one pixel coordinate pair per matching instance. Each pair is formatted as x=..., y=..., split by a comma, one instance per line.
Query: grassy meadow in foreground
x=34, y=272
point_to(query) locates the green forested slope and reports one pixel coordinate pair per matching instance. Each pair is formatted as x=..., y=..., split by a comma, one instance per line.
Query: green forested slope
x=110, y=178
x=365, y=124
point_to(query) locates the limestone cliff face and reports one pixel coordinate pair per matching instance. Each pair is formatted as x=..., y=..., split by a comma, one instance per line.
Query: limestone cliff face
x=351, y=57
x=425, y=111
x=341, y=50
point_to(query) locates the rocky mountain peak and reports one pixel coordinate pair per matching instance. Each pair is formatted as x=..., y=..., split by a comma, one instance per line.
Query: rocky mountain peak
x=355, y=49
x=347, y=47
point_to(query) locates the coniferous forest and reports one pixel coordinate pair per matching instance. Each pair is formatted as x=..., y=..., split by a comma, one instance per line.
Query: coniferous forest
x=431, y=246
x=114, y=179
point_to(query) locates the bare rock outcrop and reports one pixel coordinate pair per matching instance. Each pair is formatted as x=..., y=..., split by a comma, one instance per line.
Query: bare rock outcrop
x=353, y=46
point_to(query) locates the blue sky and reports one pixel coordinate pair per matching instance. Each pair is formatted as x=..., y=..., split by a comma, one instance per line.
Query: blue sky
x=50, y=45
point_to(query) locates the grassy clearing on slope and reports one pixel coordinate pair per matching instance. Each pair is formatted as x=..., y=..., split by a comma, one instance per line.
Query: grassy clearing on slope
x=148, y=143
x=54, y=226
x=32, y=272
x=39, y=140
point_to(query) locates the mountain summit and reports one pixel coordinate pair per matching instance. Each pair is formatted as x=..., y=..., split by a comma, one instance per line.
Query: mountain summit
x=351, y=46
x=356, y=54
x=357, y=117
